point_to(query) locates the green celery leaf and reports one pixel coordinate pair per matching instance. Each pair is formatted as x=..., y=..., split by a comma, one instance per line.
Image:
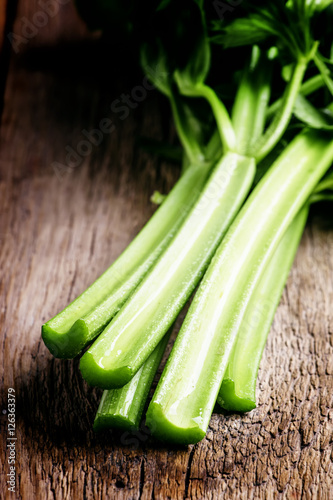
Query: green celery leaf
x=245, y=31
x=264, y=20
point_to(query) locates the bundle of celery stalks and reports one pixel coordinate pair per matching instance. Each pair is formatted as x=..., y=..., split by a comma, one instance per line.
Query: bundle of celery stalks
x=250, y=89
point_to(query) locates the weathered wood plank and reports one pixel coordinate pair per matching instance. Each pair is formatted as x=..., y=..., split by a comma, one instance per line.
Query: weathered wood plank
x=59, y=230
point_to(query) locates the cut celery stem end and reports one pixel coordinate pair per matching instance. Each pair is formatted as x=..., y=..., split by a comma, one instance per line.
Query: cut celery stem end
x=80, y=322
x=203, y=346
x=122, y=408
x=130, y=338
x=238, y=389
x=169, y=431
x=232, y=399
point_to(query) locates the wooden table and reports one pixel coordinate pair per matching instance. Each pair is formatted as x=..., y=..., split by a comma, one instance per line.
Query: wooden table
x=61, y=227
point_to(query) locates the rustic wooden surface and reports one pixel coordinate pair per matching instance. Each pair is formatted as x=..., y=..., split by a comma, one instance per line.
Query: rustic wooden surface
x=60, y=229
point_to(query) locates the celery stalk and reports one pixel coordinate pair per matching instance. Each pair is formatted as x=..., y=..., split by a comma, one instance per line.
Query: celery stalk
x=80, y=322
x=250, y=105
x=184, y=399
x=238, y=389
x=126, y=343
x=279, y=124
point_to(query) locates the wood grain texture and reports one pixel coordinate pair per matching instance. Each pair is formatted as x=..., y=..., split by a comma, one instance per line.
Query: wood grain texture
x=59, y=230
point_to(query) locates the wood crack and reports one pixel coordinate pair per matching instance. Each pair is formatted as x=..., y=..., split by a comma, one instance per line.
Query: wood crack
x=142, y=477
x=188, y=471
